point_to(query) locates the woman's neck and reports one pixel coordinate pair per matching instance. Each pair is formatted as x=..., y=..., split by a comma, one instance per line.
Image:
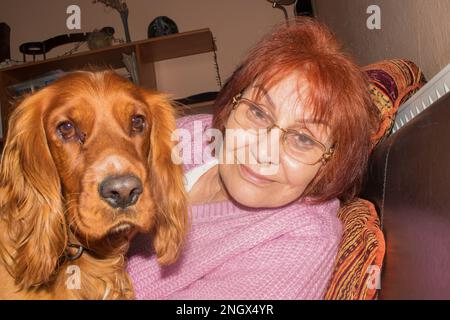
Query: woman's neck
x=208, y=189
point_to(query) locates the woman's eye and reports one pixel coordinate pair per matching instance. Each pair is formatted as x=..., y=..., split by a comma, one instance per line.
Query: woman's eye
x=303, y=141
x=258, y=116
x=257, y=112
x=137, y=124
x=67, y=130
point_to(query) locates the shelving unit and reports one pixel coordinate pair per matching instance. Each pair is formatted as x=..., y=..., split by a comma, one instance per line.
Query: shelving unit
x=147, y=53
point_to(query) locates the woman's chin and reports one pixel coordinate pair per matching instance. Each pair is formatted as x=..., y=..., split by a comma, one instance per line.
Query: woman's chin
x=251, y=199
x=254, y=193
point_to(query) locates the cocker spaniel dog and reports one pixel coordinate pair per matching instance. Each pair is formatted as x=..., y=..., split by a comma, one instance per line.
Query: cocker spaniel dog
x=86, y=165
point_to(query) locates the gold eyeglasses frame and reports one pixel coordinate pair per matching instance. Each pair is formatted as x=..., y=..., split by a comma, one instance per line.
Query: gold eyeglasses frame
x=327, y=153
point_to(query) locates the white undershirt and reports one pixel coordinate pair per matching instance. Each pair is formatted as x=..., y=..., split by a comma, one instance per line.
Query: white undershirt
x=191, y=177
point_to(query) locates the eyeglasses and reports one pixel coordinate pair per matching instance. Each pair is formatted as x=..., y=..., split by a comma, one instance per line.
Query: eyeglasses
x=300, y=145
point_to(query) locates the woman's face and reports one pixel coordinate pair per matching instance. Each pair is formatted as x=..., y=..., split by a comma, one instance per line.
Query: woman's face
x=259, y=176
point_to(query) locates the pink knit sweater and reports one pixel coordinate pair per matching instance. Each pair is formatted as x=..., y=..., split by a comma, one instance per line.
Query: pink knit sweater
x=233, y=252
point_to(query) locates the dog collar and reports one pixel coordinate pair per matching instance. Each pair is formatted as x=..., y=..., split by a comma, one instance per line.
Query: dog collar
x=77, y=255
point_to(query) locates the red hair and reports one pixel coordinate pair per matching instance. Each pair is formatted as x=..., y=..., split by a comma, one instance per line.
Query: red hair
x=338, y=95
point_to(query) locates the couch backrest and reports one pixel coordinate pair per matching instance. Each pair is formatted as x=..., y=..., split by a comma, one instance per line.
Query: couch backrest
x=409, y=183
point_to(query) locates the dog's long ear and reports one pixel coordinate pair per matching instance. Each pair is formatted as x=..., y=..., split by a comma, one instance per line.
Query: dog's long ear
x=32, y=201
x=167, y=181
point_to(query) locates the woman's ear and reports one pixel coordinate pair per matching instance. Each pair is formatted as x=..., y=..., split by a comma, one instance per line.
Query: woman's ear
x=167, y=181
x=32, y=200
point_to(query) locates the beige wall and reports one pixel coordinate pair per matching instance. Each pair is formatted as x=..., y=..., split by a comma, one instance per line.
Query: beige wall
x=415, y=29
x=418, y=30
x=236, y=24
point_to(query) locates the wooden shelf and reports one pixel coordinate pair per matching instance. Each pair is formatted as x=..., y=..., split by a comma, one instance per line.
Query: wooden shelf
x=108, y=57
x=175, y=45
x=150, y=50
x=147, y=52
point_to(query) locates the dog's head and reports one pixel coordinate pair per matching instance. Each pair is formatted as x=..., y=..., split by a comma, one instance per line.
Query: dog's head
x=91, y=155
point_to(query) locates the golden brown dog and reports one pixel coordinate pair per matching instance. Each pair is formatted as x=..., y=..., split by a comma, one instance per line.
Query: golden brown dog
x=86, y=165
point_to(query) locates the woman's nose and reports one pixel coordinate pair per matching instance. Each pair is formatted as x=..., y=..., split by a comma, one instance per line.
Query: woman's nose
x=266, y=148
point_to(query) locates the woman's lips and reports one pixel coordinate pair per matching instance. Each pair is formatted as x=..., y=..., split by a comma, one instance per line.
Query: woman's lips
x=252, y=176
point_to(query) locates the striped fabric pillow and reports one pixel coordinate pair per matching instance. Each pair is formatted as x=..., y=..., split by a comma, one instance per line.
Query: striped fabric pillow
x=391, y=83
x=360, y=257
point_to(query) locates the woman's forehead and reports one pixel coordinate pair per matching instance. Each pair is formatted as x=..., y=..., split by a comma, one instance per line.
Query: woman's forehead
x=288, y=97
x=293, y=87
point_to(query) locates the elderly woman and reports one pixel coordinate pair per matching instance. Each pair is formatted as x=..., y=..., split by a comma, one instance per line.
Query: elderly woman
x=264, y=208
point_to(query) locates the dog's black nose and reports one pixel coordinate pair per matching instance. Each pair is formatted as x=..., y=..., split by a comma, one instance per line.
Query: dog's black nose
x=120, y=192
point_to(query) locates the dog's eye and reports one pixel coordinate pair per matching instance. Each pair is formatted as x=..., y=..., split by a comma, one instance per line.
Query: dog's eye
x=137, y=124
x=67, y=130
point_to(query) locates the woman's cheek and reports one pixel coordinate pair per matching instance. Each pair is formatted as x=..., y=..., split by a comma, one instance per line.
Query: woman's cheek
x=299, y=174
x=238, y=149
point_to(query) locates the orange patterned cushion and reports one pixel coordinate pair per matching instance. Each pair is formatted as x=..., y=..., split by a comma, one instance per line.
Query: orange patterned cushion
x=361, y=251
x=391, y=83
